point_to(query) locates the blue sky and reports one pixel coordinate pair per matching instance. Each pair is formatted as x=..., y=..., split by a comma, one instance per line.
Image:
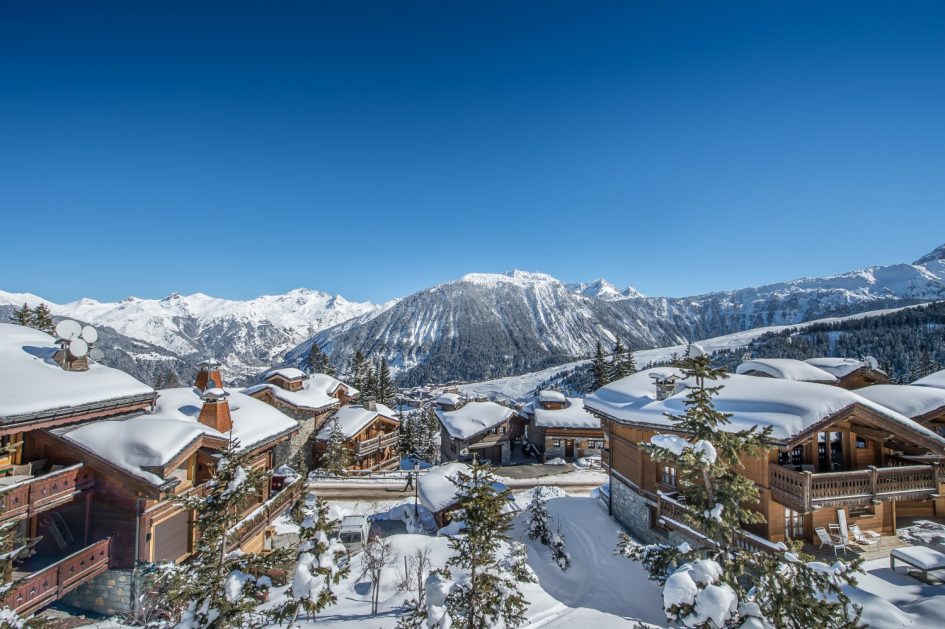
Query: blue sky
x=375, y=148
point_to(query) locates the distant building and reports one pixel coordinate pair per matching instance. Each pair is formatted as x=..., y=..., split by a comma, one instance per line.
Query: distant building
x=371, y=434
x=560, y=427
x=481, y=430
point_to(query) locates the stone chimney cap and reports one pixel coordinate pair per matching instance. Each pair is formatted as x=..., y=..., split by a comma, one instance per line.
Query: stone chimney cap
x=214, y=395
x=210, y=363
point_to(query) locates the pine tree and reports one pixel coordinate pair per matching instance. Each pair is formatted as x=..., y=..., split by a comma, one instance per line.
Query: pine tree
x=407, y=436
x=319, y=362
x=337, y=457
x=629, y=364
x=559, y=549
x=537, y=518
x=599, y=368
x=42, y=319
x=385, y=392
x=927, y=365
x=783, y=590
x=22, y=316
x=490, y=595
x=618, y=363
x=369, y=390
x=431, y=452
x=219, y=587
x=316, y=565
x=358, y=371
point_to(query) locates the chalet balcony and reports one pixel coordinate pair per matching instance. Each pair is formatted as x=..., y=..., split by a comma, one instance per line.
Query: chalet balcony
x=260, y=517
x=806, y=491
x=45, y=584
x=376, y=443
x=29, y=495
x=671, y=514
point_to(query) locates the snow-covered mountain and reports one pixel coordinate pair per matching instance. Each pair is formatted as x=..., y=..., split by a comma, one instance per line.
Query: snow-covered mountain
x=246, y=336
x=602, y=289
x=493, y=325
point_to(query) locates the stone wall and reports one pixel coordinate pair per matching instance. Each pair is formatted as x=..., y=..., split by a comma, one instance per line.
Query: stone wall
x=300, y=444
x=632, y=511
x=109, y=593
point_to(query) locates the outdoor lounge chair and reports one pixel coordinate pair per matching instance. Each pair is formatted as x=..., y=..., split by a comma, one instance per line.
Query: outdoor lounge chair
x=827, y=540
x=868, y=539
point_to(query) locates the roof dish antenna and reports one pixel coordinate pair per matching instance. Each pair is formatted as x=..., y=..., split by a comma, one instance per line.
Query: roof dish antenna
x=67, y=329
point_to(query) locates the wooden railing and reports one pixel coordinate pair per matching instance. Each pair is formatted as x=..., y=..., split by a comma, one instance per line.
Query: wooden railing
x=605, y=459
x=376, y=443
x=805, y=491
x=262, y=515
x=53, y=582
x=44, y=492
x=673, y=514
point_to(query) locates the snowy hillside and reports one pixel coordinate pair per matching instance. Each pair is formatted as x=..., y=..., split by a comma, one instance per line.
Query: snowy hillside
x=247, y=336
x=493, y=325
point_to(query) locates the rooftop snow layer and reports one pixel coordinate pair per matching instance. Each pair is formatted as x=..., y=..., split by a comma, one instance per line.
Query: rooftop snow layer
x=32, y=382
x=289, y=373
x=786, y=369
x=437, y=489
x=153, y=439
x=788, y=406
x=473, y=418
x=936, y=379
x=317, y=392
x=352, y=419
x=449, y=399
x=574, y=415
x=909, y=400
x=551, y=396
x=839, y=367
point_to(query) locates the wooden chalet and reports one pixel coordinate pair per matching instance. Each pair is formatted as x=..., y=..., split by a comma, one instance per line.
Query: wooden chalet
x=847, y=373
x=560, y=427
x=144, y=463
x=480, y=430
x=371, y=435
x=310, y=399
x=53, y=497
x=437, y=491
x=835, y=450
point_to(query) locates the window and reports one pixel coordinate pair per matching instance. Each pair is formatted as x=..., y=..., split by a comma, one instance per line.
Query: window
x=505, y=429
x=791, y=457
x=556, y=443
x=669, y=475
x=793, y=524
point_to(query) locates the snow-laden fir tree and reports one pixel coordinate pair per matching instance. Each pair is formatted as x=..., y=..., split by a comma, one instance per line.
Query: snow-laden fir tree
x=618, y=364
x=629, y=364
x=369, y=389
x=358, y=371
x=559, y=549
x=42, y=319
x=488, y=593
x=716, y=583
x=385, y=392
x=407, y=435
x=316, y=565
x=318, y=361
x=221, y=586
x=22, y=316
x=337, y=456
x=537, y=518
x=600, y=369
x=431, y=453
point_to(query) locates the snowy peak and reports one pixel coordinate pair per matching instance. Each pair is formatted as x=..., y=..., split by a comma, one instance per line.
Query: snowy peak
x=932, y=256
x=515, y=276
x=602, y=289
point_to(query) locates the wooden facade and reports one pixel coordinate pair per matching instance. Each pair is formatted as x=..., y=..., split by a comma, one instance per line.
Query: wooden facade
x=373, y=448
x=855, y=460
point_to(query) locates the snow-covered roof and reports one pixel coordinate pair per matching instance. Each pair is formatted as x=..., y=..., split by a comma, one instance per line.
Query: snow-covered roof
x=936, y=379
x=449, y=399
x=839, y=367
x=786, y=369
x=907, y=399
x=154, y=439
x=473, y=418
x=436, y=488
x=289, y=373
x=353, y=419
x=32, y=382
x=551, y=397
x=574, y=415
x=788, y=406
x=317, y=392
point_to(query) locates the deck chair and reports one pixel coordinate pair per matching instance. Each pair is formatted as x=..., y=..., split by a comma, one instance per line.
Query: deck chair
x=827, y=540
x=868, y=539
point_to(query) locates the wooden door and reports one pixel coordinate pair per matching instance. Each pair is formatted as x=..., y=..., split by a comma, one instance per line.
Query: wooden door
x=569, y=448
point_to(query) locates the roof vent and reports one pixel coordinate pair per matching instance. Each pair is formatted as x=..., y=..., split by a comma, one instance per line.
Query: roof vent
x=215, y=412
x=208, y=375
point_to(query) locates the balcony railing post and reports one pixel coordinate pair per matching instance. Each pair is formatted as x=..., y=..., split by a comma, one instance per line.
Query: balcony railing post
x=874, y=481
x=808, y=481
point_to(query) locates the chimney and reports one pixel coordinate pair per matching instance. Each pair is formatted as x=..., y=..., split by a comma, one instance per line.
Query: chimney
x=370, y=405
x=665, y=384
x=215, y=412
x=208, y=375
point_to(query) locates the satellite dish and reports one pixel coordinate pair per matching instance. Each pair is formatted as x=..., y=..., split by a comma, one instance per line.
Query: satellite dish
x=68, y=329
x=90, y=334
x=78, y=348
x=96, y=354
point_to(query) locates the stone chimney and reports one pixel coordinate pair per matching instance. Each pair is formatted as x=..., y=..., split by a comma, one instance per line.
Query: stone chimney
x=208, y=375
x=665, y=384
x=215, y=412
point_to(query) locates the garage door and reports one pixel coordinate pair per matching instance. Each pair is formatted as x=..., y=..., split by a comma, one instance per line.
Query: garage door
x=171, y=537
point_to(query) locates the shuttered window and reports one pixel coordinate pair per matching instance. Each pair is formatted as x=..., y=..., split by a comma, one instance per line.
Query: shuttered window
x=171, y=537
